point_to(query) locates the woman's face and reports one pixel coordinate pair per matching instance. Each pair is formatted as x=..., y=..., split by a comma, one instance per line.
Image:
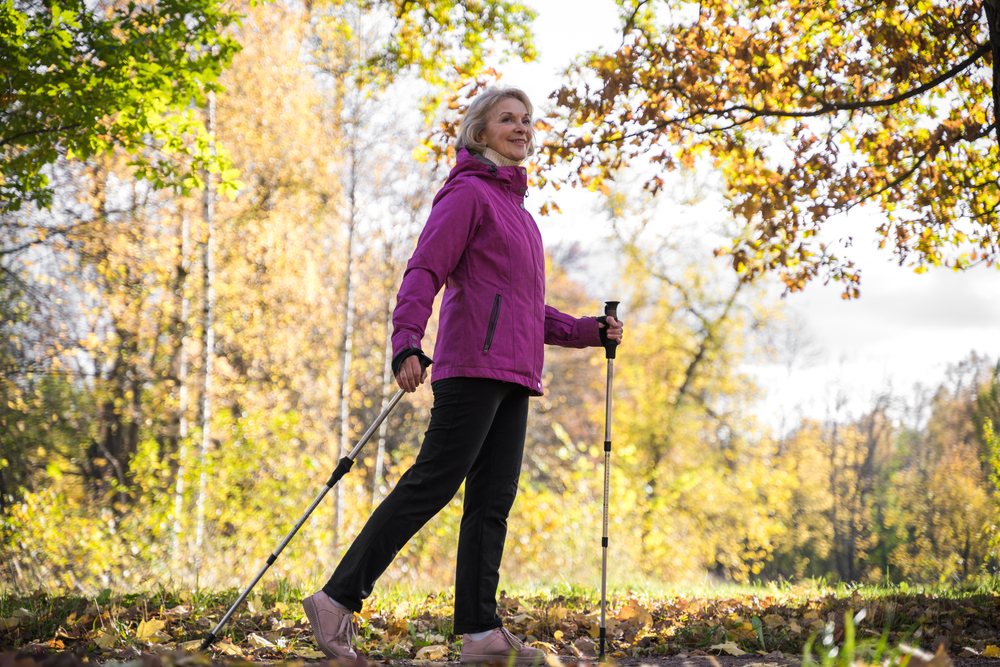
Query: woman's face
x=508, y=129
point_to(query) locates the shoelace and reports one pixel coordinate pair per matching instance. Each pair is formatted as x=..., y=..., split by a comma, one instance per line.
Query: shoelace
x=347, y=628
x=514, y=641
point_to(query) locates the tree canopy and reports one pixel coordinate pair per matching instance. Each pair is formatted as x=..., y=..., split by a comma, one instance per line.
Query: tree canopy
x=79, y=81
x=807, y=110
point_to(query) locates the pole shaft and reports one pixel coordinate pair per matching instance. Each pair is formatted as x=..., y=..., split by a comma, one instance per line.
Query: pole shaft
x=302, y=519
x=607, y=486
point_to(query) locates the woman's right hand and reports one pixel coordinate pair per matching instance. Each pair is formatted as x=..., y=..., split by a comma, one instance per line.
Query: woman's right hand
x=411, y=374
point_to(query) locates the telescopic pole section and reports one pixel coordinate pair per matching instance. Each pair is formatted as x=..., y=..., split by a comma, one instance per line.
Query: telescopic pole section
x=343, y=466
x=610, y=309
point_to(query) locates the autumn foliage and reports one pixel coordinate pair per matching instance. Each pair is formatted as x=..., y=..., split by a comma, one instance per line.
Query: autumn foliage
x=133, y=452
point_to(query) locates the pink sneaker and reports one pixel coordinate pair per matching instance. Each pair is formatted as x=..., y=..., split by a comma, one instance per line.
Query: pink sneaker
x=333, y=627
x=499, y=647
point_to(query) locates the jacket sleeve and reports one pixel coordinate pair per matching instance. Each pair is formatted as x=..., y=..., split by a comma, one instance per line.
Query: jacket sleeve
x=567, y=331
x=451, y=225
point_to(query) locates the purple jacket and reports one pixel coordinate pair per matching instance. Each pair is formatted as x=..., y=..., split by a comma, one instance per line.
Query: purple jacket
x=482, y=244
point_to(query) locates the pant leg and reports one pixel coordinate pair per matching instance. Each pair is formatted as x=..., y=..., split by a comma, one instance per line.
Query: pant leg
x=461, y=416
x=490, y=489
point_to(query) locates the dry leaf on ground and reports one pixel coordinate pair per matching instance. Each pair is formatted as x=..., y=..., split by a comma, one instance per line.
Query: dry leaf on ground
x=432, y=652
x=729, y=647
x=309, y=653
x=257, y=641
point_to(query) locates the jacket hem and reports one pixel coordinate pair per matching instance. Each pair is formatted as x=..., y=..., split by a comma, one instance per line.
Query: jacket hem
x=444, y=372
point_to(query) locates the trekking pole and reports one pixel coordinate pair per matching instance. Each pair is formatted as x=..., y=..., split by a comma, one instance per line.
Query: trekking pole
x=610, y=309
x=343, y=467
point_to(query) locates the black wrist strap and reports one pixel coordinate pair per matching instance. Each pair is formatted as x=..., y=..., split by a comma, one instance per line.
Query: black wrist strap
x=603, y=331
x=397, y=361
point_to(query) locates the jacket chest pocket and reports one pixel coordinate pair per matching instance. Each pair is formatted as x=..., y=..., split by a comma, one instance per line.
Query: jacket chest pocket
x=491, y=328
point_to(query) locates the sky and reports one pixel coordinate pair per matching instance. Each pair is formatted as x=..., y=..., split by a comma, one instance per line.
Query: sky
x=905, y=329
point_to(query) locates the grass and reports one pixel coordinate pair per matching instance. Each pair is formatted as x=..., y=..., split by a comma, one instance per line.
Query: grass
x=642, y=620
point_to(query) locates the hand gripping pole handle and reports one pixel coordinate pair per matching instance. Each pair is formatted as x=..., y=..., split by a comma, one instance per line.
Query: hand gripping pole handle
x=611, y=310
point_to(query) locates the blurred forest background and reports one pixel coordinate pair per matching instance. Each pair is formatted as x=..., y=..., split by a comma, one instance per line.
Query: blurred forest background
x=196, y=291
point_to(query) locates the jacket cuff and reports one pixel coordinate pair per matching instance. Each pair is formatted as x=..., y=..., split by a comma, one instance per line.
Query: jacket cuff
x=397, y=361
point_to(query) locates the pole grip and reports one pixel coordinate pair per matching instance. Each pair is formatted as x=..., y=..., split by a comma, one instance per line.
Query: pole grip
x=611, y=309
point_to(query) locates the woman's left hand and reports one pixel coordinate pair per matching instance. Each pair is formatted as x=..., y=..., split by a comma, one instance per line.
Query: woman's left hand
x=614, y=329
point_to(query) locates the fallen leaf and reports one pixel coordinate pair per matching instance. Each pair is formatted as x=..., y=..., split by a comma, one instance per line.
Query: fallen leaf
x=282, y=623
x=552, y=660
x=179, y=610
x=23, y=613
x=432, y=652
x=556, y=615
x=258, y=642
x=586, y=647
x=190, y=646
x=729, y=647
x=544, y=646
x=105, y=639
x=148, y=629
x=228, y=649
x=309, y=653
x=774, y=621
x=811, y=615
x=9, y=623
x=991, y=651
x=255, y=604
x=795, y=627
x=919, y=658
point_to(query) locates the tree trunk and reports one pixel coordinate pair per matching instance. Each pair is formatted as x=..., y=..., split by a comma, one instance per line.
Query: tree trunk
x=346, y=345
x=207, y=349
x=182, y=404
x=383, y=429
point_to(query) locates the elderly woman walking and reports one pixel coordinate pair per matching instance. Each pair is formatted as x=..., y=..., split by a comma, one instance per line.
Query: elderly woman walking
x=486, y=249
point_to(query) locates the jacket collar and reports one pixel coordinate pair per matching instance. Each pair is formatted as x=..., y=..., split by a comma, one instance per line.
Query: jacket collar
x=515, y=178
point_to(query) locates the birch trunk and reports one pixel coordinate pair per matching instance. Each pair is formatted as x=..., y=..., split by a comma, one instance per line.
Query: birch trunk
x=383, y=429
x=346, y=346
x=182, y=406
x=207, y=350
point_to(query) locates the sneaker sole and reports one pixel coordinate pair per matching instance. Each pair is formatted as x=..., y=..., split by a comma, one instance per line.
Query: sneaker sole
x=312, y=615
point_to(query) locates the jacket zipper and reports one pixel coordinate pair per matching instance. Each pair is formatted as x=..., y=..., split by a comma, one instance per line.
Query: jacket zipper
x=493, y=324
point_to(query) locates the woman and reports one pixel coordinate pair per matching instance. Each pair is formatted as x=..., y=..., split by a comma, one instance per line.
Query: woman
x=482, y=244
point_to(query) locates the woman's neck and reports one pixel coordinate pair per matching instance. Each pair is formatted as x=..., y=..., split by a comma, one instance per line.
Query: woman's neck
x=499, y=160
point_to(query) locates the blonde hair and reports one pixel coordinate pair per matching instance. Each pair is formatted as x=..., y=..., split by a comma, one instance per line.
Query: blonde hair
x=476, y=117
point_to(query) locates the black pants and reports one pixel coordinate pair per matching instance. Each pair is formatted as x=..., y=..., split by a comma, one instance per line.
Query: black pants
x=476, y=433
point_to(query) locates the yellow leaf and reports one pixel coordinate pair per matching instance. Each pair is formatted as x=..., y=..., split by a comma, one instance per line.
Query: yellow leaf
x=309, y=653
x=552, y=660
x=105, y=639
x=147, y=629
x=255, y=604
x=228, y=649
x=729, y=647
x=991, y=651
x=257, y=641
x=190, y=646
x=432, y=652
x=9, y=623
